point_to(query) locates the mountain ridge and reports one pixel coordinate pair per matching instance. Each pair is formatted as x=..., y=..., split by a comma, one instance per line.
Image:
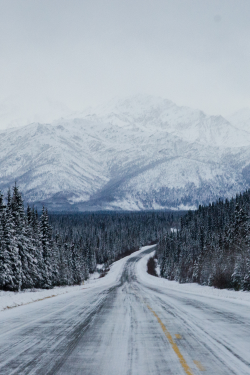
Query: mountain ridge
x=135, y=156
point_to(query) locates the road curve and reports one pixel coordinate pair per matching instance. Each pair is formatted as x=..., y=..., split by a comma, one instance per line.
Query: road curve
x=126, y=326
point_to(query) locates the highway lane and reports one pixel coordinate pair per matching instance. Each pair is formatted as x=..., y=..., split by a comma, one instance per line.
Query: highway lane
x=126, y=324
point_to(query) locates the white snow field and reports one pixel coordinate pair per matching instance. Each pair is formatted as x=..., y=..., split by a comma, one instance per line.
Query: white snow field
x=129, y=323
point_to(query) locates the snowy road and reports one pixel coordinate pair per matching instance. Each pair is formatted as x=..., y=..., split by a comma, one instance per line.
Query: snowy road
x=127, y=323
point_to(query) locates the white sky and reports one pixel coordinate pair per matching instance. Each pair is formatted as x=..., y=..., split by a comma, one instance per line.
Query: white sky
x=84, y=52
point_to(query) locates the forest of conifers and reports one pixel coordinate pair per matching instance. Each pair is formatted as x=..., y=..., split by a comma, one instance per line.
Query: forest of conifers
x=41, y=252
x=212, y=246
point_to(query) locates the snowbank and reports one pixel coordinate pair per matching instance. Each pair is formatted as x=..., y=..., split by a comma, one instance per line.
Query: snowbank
x=9, y=300
x=193, y=288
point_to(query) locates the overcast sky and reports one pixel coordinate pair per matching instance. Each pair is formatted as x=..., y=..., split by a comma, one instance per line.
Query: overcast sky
x=83, y=52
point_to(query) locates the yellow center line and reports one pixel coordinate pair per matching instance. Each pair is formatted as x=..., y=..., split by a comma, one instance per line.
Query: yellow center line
x=199, y=366
x=184, y=364
x=178, y=336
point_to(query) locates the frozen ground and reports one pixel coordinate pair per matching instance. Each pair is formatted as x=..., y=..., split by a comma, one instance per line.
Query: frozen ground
x=129, y=323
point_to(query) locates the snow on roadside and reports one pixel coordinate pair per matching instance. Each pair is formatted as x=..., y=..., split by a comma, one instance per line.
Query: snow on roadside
x=192, y=288
x=115, y=270
x=8, y=300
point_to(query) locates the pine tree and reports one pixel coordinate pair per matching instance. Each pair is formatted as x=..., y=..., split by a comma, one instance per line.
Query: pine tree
x=45, y=233
x=11, y=243
x=6, y=274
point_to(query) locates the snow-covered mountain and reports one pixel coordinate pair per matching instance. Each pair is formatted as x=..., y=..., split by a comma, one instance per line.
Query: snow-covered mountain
x=139, y=153
x=147, y=112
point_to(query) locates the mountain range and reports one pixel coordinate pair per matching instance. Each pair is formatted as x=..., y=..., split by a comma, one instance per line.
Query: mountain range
x=137, y=153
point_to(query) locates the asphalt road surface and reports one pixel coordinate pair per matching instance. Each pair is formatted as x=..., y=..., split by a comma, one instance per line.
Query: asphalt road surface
x=124, y=325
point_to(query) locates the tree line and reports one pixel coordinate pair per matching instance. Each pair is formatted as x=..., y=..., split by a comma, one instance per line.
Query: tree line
x=105, y=237
x=42, y=251
x=211, y=246
x=29, y=257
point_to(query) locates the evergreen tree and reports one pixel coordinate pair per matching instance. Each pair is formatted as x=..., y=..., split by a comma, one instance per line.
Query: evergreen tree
x=45, y=233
